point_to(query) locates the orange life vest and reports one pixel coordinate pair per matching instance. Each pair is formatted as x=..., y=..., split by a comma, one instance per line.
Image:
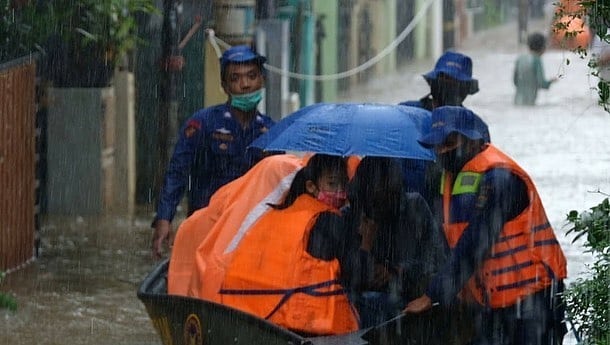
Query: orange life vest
x=272, y=275
x=525, y=258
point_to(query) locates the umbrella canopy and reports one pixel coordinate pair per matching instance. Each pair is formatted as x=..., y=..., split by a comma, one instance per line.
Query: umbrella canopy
x=346, y=129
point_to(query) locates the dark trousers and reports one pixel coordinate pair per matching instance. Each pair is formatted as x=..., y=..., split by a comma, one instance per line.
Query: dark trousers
x=536, y=320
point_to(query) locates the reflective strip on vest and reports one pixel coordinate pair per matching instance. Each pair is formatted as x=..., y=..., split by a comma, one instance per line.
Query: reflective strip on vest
x=465, y=183
x=260, y=209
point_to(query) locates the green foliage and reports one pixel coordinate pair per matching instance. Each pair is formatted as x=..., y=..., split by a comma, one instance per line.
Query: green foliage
x=604, y=94
x=89, y=30
x=21, y=30
x=598, y=13
x=7, y=301
x=588, y=299
x=109, y=24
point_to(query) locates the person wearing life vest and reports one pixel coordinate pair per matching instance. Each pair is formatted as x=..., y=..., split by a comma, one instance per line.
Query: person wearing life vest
x=204, y=241
x=504, y=256
x=287, y=268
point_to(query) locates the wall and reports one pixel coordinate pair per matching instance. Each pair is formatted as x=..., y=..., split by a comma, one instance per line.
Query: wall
x=80, y=152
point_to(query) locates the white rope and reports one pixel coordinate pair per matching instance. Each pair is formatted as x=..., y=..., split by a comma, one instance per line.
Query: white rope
x=324, y=77
x=213, y=42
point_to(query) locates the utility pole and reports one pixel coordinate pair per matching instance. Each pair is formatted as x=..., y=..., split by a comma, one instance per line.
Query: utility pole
x=522, y=20
x=265, y=9
x=171, y=65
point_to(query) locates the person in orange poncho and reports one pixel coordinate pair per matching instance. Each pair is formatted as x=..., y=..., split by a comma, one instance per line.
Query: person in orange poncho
x=234, y=206
x=232, y=210
x=287, y=269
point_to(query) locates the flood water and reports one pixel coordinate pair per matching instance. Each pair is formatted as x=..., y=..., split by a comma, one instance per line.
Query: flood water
x=82, y=288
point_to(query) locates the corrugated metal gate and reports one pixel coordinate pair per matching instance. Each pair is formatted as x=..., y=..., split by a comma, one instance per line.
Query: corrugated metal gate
x=17, y=162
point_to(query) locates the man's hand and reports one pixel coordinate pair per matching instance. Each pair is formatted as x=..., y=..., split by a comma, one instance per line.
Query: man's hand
x=163, y=233
x=419, y=305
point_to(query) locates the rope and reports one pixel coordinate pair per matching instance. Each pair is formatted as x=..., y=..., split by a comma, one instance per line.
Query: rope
x=334, y=76
x=214, y=42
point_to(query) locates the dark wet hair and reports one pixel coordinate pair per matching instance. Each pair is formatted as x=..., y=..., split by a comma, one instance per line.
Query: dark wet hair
x=536, y=42
x=257, y=63
x=317, y=165
x=376, y=187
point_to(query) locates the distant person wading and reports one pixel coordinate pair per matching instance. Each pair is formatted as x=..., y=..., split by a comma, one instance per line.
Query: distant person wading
x=528, y=75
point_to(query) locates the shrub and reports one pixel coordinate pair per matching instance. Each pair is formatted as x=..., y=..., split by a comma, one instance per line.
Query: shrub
x=588, y=299
x=6, y=301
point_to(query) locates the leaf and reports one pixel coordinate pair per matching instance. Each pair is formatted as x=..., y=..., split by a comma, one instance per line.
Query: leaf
x=7, y=302
x=587, y=300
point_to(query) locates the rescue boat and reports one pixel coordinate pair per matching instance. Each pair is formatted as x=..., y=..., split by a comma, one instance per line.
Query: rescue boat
x=181, y=320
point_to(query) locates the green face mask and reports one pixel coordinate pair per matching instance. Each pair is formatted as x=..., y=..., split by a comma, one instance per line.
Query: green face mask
x=248, y=101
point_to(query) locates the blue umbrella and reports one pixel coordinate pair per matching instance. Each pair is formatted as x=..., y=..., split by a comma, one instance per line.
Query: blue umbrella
x=346, y=129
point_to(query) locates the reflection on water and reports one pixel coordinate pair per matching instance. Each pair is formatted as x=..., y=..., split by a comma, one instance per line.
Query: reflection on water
x=82, y=288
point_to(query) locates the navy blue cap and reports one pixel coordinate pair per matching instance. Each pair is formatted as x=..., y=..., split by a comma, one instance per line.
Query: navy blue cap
x=240, y=54
x=455, y=65
x=449, y=119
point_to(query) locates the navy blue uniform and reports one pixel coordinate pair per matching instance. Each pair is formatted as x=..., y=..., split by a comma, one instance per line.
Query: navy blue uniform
x=212, y=150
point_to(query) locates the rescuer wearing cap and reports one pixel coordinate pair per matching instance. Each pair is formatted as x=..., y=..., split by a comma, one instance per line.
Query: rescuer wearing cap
x=505, y=260
x=212, y=146
x=450, y=82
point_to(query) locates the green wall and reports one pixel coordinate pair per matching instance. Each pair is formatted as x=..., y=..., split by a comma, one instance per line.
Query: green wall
x=329, y=47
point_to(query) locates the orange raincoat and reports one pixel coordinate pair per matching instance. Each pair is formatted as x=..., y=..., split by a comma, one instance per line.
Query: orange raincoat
x=204, y=241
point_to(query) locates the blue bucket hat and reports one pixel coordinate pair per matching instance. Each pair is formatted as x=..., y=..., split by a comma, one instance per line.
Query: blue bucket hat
x=240, y=54
x=449, y=119
x=457, y=66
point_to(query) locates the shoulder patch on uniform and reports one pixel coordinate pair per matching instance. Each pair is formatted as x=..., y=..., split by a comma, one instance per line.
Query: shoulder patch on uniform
x=192, y=126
